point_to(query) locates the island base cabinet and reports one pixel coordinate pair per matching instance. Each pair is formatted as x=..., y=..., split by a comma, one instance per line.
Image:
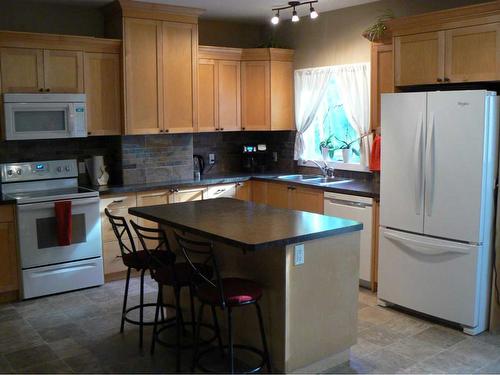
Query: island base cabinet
x=9, y=284
x=310, y=310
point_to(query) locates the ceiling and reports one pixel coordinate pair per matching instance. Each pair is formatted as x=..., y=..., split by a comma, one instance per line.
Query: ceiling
x=249, y=10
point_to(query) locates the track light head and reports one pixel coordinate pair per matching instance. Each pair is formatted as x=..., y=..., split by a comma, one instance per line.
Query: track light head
x=276, y=19
x=313, y=14
x=295, y=17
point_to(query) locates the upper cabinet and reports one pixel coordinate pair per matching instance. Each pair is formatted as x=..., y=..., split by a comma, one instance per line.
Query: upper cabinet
x=160, y=45
x=28, y=70
x=451, y=46
x=267, y=101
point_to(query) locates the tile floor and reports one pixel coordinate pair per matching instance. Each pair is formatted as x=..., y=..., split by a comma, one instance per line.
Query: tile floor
x=79, y=332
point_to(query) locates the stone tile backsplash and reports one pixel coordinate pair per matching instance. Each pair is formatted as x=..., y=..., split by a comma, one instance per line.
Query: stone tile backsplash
x=157, y=158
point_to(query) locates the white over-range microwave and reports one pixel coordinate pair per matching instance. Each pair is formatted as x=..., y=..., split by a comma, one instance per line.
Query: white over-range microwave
x=44, y=116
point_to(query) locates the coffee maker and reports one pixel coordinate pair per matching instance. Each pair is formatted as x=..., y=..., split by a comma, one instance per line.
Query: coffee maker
x=255, y=158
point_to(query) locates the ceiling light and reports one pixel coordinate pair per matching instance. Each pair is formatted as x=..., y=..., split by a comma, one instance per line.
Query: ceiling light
x=313, y=13
x=276, y=19
x=295, y=17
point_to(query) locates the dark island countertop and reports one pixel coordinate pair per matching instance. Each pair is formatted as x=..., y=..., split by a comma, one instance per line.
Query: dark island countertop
x=247, y=225
x=359, y=187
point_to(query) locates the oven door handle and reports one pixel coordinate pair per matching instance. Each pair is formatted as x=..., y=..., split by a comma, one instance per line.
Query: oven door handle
x=42, y=205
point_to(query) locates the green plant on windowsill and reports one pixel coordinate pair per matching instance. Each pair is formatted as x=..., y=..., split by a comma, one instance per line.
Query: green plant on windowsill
x=327, y=144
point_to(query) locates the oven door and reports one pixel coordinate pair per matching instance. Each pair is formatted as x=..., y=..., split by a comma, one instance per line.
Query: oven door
x=38, y=245
x=41, y=120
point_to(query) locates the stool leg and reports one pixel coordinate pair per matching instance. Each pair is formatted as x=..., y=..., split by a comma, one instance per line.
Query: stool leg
x=193, y=318
x=197, y=337
x=217, y=330
x=159, y=305
x=125, y=301
x=230, y=339
x=263, y=336
x=141, y=310
x=179, y=327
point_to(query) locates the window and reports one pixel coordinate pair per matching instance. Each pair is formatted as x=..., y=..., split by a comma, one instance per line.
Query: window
x=330, y=122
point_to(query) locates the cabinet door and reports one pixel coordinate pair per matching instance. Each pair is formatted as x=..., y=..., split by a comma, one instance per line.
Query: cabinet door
x=259, y=191
x=220, y=191
x=244, y=191
x=143, y=82
x=255, y=95
x=117, y=205
x=229, y=95
x=21, y=70
x=102, y=87
x=278, y=195
x=382, y=79
x=151, y=198
x=207, y=95
x=304, y=199
x=282, y=110
x=112, y=257
x=419, y=59
x=63, y=71
x=8, y=253
x=473, y=53
x=187, y=195
x=180, y=48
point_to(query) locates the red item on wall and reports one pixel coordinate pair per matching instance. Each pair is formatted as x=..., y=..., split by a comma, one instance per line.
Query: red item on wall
x=64, y=222
x=375, y=155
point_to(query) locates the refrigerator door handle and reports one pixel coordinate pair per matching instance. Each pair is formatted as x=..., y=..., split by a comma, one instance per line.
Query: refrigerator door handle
x=427, y=247
x=418, y=163
x=429, y=167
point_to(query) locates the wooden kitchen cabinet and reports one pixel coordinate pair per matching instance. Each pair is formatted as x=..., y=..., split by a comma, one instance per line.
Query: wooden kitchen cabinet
x=382, y=79
x=9, y=282
x=151, y=198
x=207, y=95
x=143, y=74
x=118, y=205
x=103, y=90
x=267, y=89
x=63, y=71
x=473, y=53
x=180, y=77
x=278, y=195
x=21, y=70
x=259, y=192
x=306, y=199
x=27, y=70
x=244, y=191
x=229, y=95
x=220, y=191
x=419, y=59
x=186, y=195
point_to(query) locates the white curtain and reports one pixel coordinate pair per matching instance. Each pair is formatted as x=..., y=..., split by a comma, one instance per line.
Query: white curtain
x=353, y=82
x=310, y=88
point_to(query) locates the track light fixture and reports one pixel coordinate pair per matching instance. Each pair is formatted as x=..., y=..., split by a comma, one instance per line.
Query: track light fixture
x=295, y=17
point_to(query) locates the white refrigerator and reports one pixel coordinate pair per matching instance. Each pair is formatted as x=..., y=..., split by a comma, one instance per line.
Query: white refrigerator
x=437, y=186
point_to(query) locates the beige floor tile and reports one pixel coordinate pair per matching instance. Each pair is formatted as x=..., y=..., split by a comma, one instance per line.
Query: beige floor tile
x=386, y=361
x=414, y=348
x=477, y=352
x=406, y=325
x=367, y=297
x=441, y=336
x=364, y=347
x=67, y=348
x=491, y=368
x=376, y=315
x=379, y=336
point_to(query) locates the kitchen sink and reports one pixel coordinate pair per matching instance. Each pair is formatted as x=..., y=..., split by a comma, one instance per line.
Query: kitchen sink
x=300, y=177
x=332, y=181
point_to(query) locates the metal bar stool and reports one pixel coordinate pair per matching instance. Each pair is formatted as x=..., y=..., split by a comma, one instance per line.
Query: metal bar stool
x=177, y=276
x=224, y=293
x=138, y=260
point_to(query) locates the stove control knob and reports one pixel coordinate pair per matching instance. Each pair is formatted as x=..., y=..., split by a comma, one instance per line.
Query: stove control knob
x=19, y=171
x=9, y=172
x=59, y=169
x=66, y=168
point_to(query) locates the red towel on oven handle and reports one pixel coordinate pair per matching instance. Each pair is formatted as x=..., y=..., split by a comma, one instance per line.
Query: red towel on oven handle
x=64, y=222
x=375, y=155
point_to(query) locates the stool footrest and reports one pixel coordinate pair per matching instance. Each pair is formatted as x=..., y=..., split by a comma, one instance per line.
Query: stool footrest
x=144, y=323
x=204, y=352
x=171, y=323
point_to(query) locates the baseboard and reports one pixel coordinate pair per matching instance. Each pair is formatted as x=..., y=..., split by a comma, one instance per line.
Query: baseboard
x=11, y=296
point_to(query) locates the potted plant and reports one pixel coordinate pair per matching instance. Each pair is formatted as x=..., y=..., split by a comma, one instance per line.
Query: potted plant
x=327, y=147
x=375, y=33
x=345, y=146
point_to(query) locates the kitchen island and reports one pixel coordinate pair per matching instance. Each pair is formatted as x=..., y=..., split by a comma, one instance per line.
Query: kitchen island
x=310, y=304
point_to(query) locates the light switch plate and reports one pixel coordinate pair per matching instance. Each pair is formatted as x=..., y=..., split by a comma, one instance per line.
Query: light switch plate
x=299, y=254
x=211, y=159
x=81, y=167
x=275, y=156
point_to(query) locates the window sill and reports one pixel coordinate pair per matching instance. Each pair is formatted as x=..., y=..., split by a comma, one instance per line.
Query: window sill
x=337, y=165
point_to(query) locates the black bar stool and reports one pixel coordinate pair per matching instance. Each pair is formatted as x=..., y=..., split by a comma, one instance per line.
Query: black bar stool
x=177, y=276
x=138, y=260
x=227, y=294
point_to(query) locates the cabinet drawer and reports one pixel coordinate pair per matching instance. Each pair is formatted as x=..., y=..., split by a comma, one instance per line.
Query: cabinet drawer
x=6, y=213
x=220, y=191
x=118, y=205
x=112, y=257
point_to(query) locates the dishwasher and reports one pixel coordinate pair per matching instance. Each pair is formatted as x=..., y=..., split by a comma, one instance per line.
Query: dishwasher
x=358, y=209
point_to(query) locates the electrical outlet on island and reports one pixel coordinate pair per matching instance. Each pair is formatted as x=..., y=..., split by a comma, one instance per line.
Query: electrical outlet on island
x=211, y=159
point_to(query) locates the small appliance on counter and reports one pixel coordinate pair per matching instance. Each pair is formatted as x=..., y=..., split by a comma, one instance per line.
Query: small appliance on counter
x=198, y=166
x=97, y=170
x=255, y=158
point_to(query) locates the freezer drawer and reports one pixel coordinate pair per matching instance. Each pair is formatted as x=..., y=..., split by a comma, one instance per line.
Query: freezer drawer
x=436, y=277
x=357, y=209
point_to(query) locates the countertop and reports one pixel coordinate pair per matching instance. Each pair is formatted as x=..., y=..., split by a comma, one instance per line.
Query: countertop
x=246, y=225
x=5, y=199
x=359, y=187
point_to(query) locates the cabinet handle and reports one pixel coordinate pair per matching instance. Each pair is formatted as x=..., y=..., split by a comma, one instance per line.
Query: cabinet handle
x=446, y=79
x=89, y=133
x=118, y=201
x=166, y=130
x=41, y=90
x=118, y=256
x=291, y=187
x=243, y=128
x=48, y=90
x=221, y=128
x=439, y=80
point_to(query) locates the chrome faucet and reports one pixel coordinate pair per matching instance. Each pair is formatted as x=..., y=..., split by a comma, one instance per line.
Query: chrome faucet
x=325, y=168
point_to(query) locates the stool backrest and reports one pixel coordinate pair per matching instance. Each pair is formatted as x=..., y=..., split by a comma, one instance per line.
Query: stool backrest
x=199, y=253
x=159, y=237
x=122, y=232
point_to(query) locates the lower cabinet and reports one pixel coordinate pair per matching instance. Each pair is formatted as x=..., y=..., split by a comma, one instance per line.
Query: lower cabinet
x=9, y=284
x=220, y=191
x=292, y=197
x=186, y=195
x=244, y=191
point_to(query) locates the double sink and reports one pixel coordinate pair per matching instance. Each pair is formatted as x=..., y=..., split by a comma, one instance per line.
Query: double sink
x=314, y=179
